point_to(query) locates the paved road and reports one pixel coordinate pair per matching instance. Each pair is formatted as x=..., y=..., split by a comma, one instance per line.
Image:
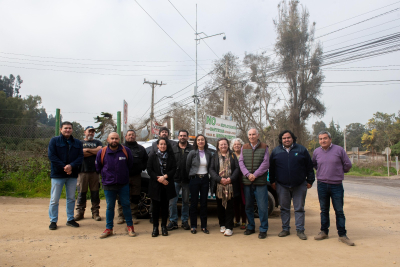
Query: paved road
x=380, y=189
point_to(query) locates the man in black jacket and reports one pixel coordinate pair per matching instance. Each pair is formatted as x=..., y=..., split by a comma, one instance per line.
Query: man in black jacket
x=139, y=164
x=181, y=179
x=291, y=174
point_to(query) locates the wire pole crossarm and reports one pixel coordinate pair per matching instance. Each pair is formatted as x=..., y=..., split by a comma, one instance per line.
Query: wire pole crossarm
x=198, y=39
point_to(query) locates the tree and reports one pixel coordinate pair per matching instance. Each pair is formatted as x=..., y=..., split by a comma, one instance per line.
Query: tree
x=336, y=133
x=78, y=131
x=10, y=85
x=354, y=133
x=318, y=126
x=387, y=128
x=107, y=125
x=299, y=64
x=369, y=140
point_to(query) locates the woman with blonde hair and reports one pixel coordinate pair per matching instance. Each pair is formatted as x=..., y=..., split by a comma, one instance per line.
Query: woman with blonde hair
x=238, y=201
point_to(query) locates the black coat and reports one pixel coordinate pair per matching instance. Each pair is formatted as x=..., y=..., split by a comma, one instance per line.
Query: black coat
x=235, y=173
x=181, y=175
x=154, y=170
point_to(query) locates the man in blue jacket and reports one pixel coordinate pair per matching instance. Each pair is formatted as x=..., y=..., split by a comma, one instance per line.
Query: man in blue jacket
x=114, y=162
x=66, y=156
x=291, y=174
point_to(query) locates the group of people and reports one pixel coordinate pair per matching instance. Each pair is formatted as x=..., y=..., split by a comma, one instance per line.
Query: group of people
x=237, y=173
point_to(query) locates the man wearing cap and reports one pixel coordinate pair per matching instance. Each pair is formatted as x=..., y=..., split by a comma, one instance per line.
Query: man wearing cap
x=140, y=158
x=88, y=178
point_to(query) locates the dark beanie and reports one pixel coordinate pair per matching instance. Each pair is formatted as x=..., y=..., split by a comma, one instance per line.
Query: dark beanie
x=163, y=129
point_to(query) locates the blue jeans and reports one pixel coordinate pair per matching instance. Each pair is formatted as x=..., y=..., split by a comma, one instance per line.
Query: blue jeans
x=326, y=192
x=57, y=185
x=298, y=194
x=111, y=197
x=173, y=207
x=260, y=193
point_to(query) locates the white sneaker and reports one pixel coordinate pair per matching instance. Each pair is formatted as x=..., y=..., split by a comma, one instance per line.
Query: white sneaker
x=228, y=232
x=222, y=230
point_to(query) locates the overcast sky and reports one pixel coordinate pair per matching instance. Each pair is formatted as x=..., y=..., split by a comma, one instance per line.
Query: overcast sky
x=86, y=57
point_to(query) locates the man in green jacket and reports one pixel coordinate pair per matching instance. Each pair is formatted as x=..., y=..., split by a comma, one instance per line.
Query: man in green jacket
x=254, y=164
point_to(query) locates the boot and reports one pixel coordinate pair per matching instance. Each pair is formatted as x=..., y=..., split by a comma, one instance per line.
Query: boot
x=79, y=215
x=155, y=232
x=96, y=216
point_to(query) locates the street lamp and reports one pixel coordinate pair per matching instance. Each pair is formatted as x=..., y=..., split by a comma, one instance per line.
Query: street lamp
x=164, y=97
x=195, y=97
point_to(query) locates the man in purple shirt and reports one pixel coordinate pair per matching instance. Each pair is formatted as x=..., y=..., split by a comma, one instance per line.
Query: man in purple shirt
x=331, y=162
x=114, y=162
x=254, y=164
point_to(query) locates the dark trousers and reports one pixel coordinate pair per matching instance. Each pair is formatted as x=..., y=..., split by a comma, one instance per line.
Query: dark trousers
x=326, y=192
x=88, y=180
x=225, y=216
x=239, y=208
x=198, y=186
x=160, y=207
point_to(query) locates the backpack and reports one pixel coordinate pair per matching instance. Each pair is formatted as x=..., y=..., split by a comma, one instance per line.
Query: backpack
x=103, y=153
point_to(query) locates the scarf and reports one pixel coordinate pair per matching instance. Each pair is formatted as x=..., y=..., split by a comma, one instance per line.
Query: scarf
x=162, y=159
x=224, y=192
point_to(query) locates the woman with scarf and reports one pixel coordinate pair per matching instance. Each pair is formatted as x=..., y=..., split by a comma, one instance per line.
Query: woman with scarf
x=197, y=166
x=161, y=168
x=224, y=173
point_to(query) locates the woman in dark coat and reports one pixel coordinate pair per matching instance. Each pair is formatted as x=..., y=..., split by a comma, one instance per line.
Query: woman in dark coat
x=224, y=173
x=161, y=168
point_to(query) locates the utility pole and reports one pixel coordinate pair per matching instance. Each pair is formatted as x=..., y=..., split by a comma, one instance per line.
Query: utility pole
x=152, y=84
x=344, y=135
x=195, y=96
x=227, y=85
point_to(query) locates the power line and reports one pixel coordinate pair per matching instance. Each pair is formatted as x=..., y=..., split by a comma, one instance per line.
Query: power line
x=356, y=16
x=105, y=60
x=374, y=17
x=192, y=28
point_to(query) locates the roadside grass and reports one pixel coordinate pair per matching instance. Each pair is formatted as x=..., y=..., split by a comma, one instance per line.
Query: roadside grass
x=371, y=169
x=27, y=177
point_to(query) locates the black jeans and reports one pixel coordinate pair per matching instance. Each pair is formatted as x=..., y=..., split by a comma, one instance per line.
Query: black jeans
x=162, y=206
x=225, y=216
x=198, y=186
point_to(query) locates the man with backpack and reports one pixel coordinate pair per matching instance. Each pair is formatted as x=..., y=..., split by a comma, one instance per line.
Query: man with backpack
x=114, y=162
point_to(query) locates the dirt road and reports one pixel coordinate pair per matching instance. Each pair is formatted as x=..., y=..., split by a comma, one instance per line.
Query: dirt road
x=26, y=241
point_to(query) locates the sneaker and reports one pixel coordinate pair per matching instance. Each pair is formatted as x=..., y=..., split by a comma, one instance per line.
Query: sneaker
x=106, y=233
x=284, y=233
x=321, y=235
x=262, y=235
x=53, y=226
x=72, y=223
x=185, y=225
x=228, y=232
x=243, y=226
x=346, y=240
x=131, y=231
x=172, y=226
x=222, y=229
x=135, y=220
x=96, y=217
x=249, y=232
x=78, y=217
x=301, y=234
x=120, y=220
x=236, y=224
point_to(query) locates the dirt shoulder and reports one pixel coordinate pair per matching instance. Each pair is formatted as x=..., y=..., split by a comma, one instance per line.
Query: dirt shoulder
x=26, y=241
